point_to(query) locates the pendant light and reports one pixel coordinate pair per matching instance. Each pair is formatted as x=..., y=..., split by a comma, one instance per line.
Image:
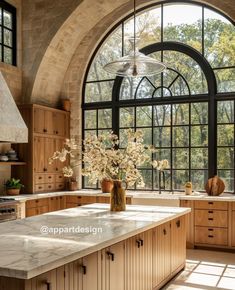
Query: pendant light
x=136, y=64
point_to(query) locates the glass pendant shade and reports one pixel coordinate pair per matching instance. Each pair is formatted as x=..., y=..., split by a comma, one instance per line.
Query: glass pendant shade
x=135, y=65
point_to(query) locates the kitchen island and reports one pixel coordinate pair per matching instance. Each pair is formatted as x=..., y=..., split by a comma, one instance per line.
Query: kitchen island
x=89, y=247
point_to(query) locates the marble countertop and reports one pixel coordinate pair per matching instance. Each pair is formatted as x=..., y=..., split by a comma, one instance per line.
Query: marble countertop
x=129, y=193
x=27, y=252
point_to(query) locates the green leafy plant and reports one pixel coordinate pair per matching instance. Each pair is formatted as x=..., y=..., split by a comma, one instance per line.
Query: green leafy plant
x=13, y=184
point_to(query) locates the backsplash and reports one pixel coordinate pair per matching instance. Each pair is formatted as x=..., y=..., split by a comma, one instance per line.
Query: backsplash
x=5, y=171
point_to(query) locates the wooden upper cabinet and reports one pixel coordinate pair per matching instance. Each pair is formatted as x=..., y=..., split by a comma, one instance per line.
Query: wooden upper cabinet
x=59, y=121
x=51, y=122
x=39, y=120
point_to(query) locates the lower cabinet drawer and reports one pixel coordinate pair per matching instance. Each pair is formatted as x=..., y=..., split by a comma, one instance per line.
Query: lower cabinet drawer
x=202, y=204
x=59, y=186
x=70, y=204
x=39, y=188
x=211, y=236
x=49, y=178
x=39, y=178
x=49, y=187
x=59, y=178
x=211, y=218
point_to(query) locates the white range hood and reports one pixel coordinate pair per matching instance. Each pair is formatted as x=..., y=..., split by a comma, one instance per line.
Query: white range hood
x=12, y=125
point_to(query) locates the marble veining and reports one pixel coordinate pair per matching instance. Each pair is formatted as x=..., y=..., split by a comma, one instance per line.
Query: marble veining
x=25, y=252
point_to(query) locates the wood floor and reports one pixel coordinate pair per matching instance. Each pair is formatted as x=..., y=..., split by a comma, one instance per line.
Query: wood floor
x=205, y=270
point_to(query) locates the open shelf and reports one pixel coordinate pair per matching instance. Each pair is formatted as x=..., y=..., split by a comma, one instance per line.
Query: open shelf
x=12, y=163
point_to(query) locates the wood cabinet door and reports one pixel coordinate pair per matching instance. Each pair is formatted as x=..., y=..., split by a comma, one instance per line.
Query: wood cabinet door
x=53, y=280
x=178, y=243
x=49, y=150
x=233, y=227
x=113, y=267
x=138, y=262
x=48, y=122
x=59, y=124
x=161, y=253
x=58, y=165
x=39, y=154
x=91, y=271
x=31, y=211
x=39, y=123
x=189, y=220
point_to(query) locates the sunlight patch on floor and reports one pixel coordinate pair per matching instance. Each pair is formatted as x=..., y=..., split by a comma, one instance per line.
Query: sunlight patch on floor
x=206, y=270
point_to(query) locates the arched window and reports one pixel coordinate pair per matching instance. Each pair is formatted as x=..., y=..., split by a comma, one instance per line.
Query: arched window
x=7, y=33
x=187, y=112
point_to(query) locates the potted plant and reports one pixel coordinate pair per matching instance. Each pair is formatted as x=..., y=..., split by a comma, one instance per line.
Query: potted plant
x=13, y=186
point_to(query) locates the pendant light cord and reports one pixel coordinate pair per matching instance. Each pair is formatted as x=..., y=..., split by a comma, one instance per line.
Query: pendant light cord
x=134, y=26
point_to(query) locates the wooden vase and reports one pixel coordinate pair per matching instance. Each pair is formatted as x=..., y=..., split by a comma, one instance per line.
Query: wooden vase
x=118, y=197
x=106, y=185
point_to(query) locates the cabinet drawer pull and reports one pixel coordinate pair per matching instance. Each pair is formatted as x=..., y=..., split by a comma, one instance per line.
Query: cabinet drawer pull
x=48, y=284
x=84, y=269
x=40, y=177
x=210, y=202
x=210, y=211
x=37, y=199
x=141, y=242
x=79, y=197
x=44, y=130
x=49, y=186
x=56, y=169
x=39, y=188
x=211, y=230
x=49, y=177
x=210, y=219
x=111, y=255
x=44, y=169
x=210, y=236
x=178, y=223
x=138, y=243
x=164, y=232
x=56, y=132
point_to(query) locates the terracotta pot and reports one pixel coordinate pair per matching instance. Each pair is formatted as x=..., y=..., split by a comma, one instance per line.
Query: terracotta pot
x=106, y=185
x=13, y=191
x=118, y=196
x=73, y=185
x=66, y=104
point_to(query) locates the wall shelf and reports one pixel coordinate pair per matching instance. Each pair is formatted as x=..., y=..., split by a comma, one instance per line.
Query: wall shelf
x=12, y=163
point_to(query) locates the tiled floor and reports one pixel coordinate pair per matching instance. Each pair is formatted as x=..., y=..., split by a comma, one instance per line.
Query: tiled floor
x=206, y=270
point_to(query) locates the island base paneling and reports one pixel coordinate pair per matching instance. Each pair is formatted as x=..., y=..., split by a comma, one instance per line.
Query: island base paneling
x=143, y=262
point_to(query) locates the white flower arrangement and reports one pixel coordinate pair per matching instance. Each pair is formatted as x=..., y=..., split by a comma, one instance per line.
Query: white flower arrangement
x=103, y=159
x=160, y=165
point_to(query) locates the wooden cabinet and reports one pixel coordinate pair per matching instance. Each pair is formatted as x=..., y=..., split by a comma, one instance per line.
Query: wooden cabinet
x=91, y=274
x=57, y=203
x=211, y=218
x=78, y=200
x=208, y=205
x=106, y=199
x=161, y=254
x=233, y=225
x=48, y=129
x=138, y=266
x=211, y=223
x=178, y=243
x=36, y=207
x=211, y=236
x=113, y=267
x=189, y=220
